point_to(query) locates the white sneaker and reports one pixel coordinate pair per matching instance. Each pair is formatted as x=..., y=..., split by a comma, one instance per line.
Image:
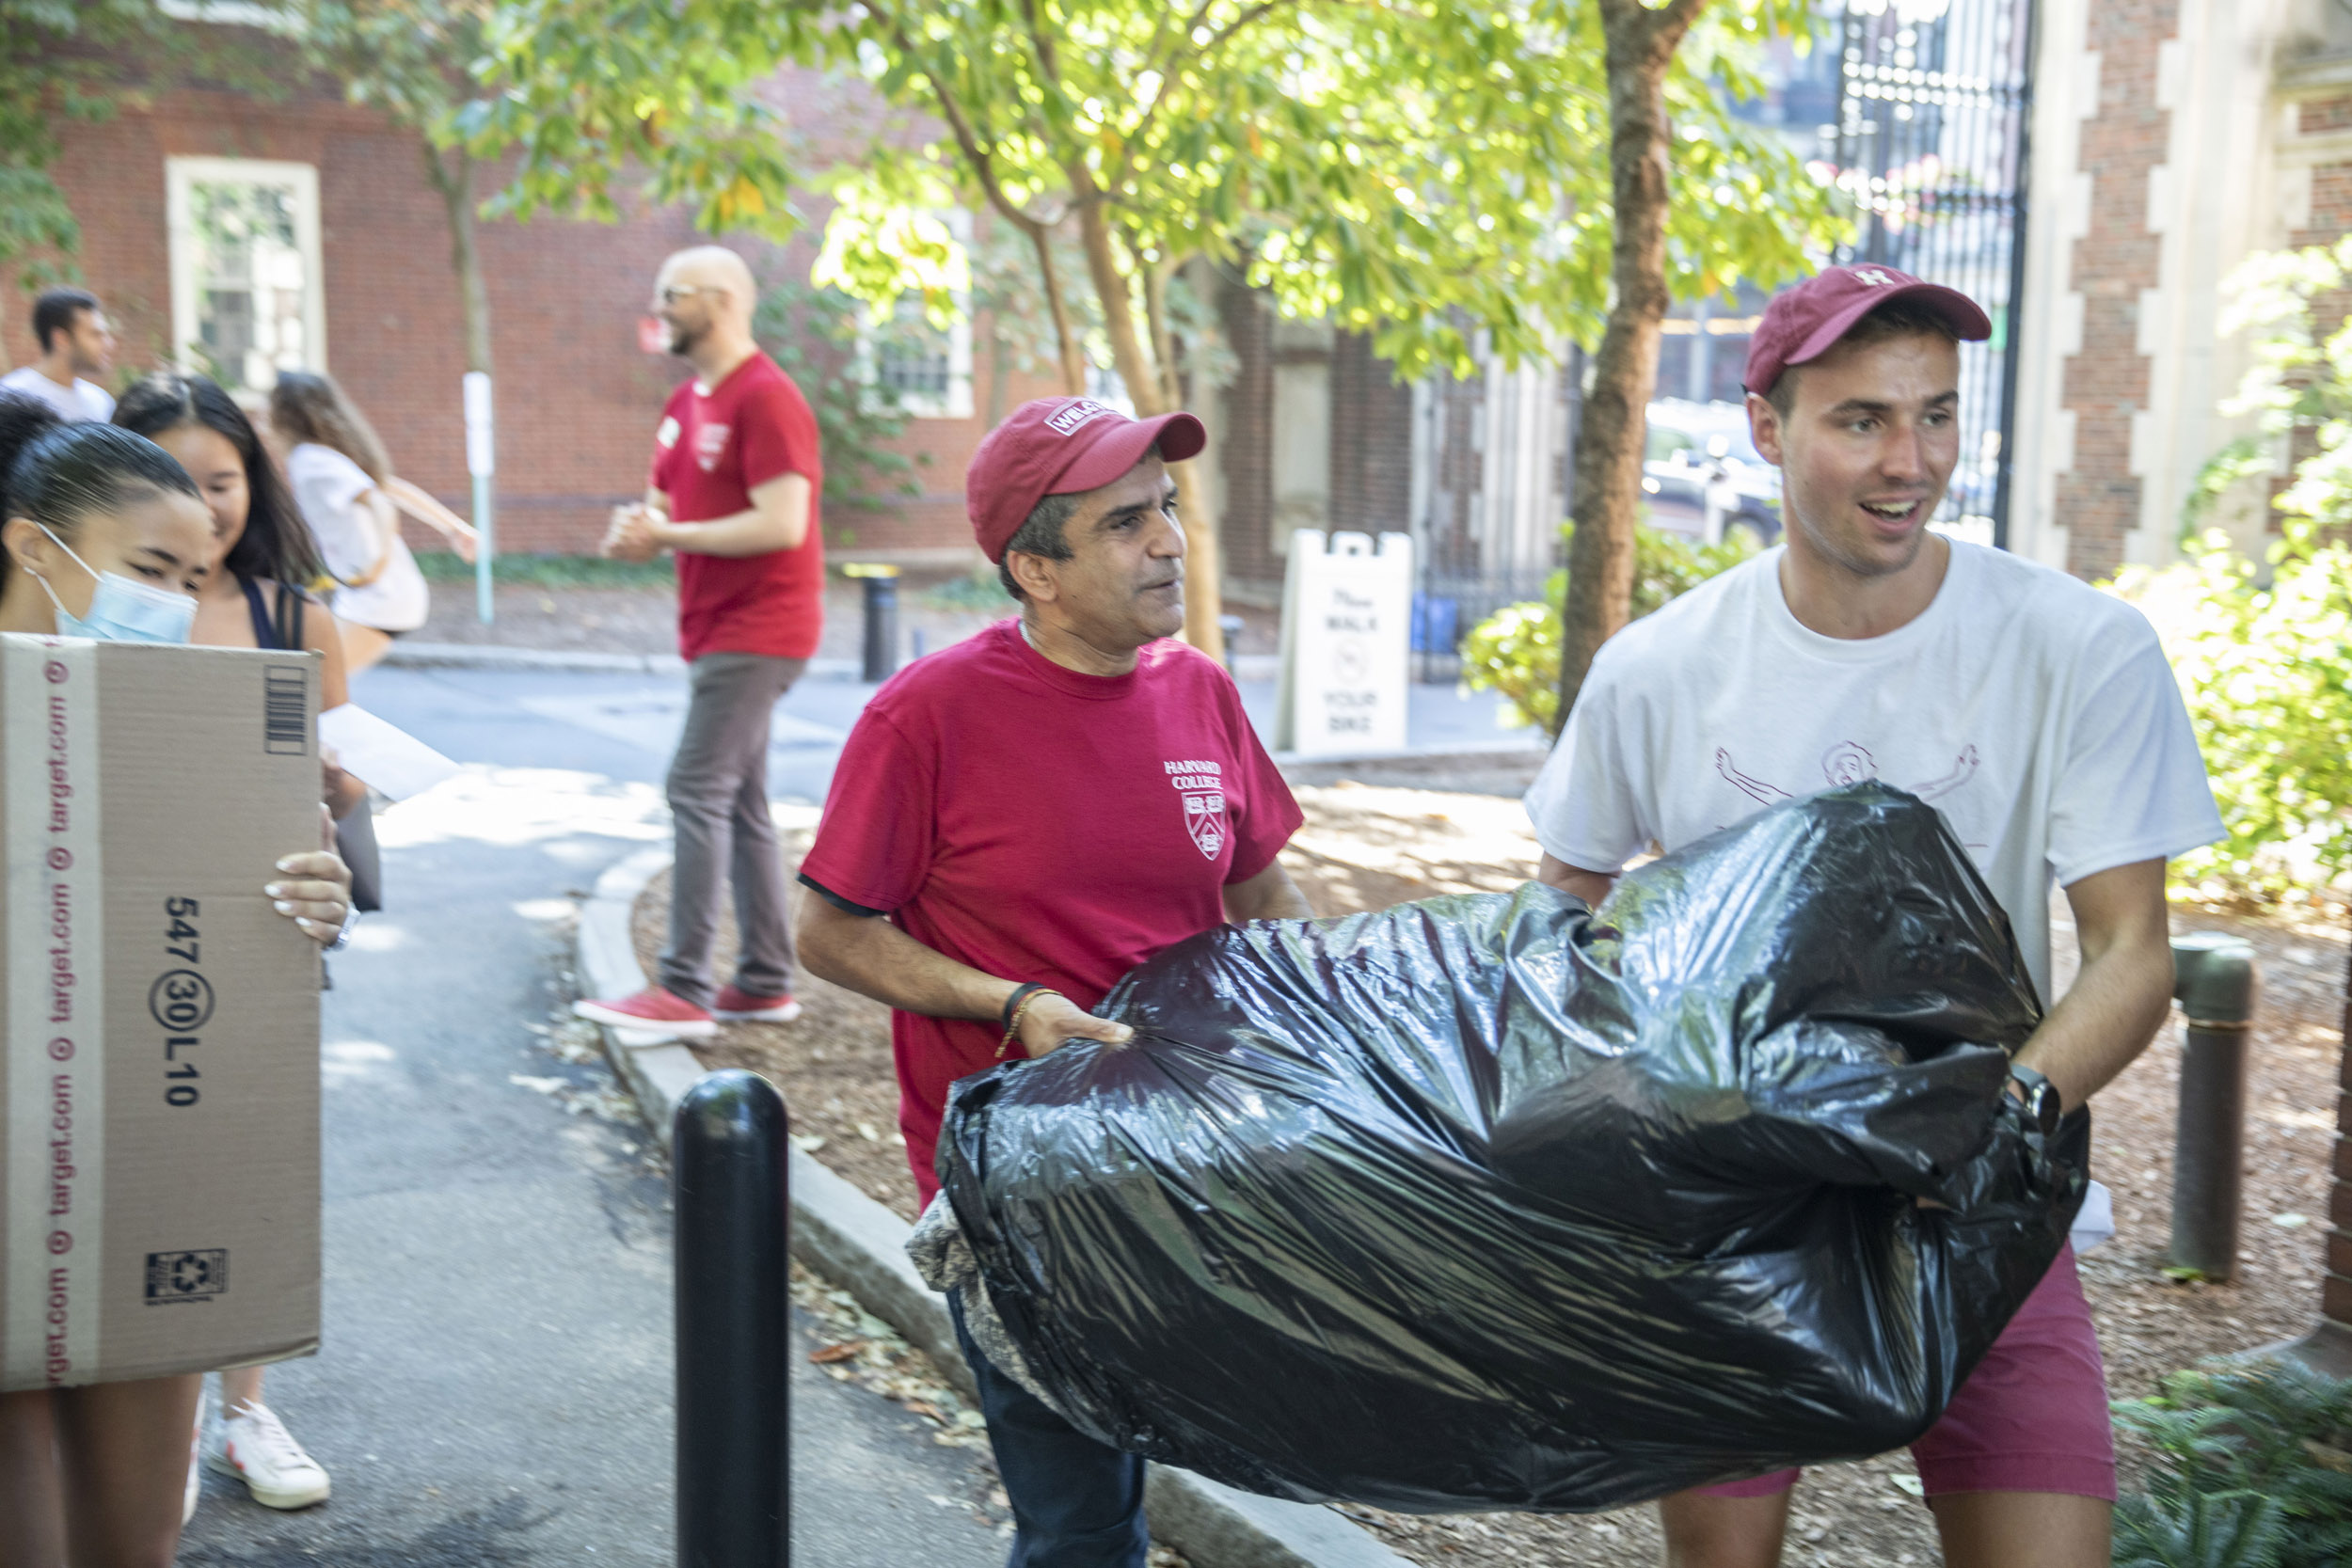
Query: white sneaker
x=253, y=1445
x=195, y=1467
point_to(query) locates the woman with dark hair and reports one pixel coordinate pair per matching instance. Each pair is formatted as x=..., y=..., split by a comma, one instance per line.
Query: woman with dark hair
x=346, y=490
x=254, y=598
x=104, y=537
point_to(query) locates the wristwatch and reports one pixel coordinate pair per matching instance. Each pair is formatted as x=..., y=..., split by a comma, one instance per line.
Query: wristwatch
x=2038, y=1097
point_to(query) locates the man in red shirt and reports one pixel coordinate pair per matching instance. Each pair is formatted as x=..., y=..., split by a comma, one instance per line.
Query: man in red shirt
x=733, y=491
x=1021, y=818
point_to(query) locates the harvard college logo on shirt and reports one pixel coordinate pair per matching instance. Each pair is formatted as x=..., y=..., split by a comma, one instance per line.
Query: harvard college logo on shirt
x=1202, y=785
x=710, y=441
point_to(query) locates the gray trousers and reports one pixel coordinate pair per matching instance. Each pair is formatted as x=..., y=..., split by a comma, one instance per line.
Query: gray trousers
x=718, y=789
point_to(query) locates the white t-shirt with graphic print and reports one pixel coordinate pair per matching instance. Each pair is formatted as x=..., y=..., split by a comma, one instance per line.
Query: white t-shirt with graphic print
x=2036, y=713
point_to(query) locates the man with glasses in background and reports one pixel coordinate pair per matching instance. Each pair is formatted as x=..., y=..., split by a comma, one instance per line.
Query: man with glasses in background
x=734, y=492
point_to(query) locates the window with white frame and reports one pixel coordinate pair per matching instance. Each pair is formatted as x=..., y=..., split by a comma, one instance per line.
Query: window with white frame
x=927, y=372
x=235, y=14
x=248, y=296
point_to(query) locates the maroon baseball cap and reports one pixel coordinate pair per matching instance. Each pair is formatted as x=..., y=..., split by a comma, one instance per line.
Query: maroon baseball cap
x=1061, y=446
x=1806, y=322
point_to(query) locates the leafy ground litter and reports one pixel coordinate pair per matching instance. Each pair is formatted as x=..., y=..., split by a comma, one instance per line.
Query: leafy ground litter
x=1376, y=841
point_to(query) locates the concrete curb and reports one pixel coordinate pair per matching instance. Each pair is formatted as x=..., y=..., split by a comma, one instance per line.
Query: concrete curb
x=839, y=1232
x=492, y=655
x=1501, y=747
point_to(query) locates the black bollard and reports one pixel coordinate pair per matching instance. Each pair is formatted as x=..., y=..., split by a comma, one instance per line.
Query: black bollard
x=882, y=617
x=734, y=1324
x=2213, y=978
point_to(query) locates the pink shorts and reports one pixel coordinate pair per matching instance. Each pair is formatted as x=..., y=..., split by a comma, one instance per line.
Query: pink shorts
x=2032, y=1417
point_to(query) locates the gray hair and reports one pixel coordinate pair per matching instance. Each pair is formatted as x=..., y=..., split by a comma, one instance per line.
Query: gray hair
x=1045, y=532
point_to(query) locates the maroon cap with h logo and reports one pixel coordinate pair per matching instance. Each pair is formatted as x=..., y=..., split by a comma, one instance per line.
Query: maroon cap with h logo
x=1806, y=322
x=1061, y=446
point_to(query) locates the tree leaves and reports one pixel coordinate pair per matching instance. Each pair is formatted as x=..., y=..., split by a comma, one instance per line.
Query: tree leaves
x=2265, y=666
x=2200, y=1530
x=2248, y=1471
x=57, y=58
x=1413, y=167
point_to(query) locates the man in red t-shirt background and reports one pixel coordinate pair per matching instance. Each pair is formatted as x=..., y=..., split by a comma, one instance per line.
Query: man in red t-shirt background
x=733, y=491
x=1019, y=820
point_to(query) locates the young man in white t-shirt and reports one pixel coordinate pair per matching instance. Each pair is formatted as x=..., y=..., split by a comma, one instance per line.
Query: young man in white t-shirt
x=2036, y=713
x=76, y=345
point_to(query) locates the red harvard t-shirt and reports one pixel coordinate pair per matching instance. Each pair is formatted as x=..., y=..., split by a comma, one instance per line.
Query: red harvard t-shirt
x=1040, y=824
x=712, y=448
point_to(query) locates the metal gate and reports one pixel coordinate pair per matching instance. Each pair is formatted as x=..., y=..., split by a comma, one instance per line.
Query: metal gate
x=1930, y=147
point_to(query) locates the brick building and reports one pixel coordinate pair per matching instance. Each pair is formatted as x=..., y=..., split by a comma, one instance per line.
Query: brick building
x=352, y=273
x=2172, y=139
x=1312, y=431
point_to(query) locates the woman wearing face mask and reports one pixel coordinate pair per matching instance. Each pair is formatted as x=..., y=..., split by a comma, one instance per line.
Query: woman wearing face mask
x=352, y=501
x=251, y=599
x=104, y=537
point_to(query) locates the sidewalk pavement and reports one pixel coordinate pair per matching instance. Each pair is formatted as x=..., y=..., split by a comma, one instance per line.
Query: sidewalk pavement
x=839, y=1232
x=493, y=1385
x=622, y=726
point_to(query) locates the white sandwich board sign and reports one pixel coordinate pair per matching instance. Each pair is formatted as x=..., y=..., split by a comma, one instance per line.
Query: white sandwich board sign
x=1346, y=656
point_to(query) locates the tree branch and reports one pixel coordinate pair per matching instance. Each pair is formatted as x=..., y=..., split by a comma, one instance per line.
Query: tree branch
x=1658, y=28
x=1216, y=39
x=1074, y=372
x=1047, y=65
x=1125, y=160
x=1678, y=15
x=983, y=162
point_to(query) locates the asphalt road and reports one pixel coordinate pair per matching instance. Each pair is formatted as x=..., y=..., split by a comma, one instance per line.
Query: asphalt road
x=494, y=1386
x=495, y=1382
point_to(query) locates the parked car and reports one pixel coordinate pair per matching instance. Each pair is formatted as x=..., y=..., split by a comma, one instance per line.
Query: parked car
x=1703, y=475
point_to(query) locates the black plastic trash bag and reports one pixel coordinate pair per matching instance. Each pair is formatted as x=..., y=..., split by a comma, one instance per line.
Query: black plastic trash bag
x=1485, y=1202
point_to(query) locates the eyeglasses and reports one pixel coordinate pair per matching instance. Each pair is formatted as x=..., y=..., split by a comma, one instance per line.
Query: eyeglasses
x=676, y=292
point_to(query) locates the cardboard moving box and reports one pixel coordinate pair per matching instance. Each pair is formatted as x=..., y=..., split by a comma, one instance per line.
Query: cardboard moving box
x=159, y=1111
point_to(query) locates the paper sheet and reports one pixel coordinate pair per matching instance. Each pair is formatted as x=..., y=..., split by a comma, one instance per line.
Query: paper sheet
x=381, y=755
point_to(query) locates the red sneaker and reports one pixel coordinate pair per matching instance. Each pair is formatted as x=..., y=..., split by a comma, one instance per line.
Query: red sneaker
x=738, y=1006
x=651, y=1009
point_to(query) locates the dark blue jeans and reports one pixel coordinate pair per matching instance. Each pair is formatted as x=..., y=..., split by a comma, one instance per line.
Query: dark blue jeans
x=1075, y=1503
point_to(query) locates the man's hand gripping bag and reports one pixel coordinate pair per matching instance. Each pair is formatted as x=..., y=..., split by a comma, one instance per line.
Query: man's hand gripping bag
x=1489, y=1201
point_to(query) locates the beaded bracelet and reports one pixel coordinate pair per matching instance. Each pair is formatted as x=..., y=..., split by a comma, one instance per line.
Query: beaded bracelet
x=1016, y=1005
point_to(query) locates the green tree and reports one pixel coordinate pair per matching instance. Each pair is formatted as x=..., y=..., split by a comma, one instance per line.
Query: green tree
x=1421, y=171
x=62, y=60
x=815, y=335
x=412, y=60
x=416, y=60
x=1667, y=72
x=2264, y=657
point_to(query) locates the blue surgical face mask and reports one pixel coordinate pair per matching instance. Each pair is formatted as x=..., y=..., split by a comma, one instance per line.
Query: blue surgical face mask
x=122, y=610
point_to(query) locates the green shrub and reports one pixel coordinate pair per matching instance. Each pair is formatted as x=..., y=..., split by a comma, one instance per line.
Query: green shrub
x=816, y=337
x=2251, y=1470
x=2266, y=665
x=2266, y=673
x=1516, y=651
x=551, y=571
